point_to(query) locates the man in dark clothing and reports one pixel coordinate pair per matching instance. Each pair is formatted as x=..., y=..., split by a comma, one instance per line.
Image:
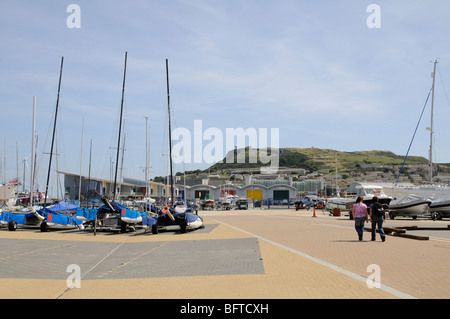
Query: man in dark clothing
x=376, y=215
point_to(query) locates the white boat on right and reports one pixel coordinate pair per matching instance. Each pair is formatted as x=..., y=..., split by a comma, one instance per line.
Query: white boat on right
x=410, y=205
x=440, y=207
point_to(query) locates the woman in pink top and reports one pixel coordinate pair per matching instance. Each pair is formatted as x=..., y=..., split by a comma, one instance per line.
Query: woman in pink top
x=360, y=215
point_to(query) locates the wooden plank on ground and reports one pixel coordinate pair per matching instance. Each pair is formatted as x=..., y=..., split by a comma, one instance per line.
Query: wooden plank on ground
x=412, y=236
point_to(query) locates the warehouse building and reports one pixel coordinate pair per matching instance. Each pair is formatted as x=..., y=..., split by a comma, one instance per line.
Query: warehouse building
x=128, y=189
x=251, y=192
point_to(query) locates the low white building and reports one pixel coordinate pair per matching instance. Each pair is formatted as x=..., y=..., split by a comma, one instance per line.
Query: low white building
x=250, y=192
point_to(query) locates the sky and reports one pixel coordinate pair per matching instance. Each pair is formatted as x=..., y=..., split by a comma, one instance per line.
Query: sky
x=318, y=71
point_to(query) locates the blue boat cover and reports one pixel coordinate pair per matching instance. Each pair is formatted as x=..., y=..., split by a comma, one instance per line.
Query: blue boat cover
x=149, y=221
x=19, y=218
x=8, y=217
x=189, y=218
x=124, y=212
x=88, y=213
x=132, y=214
x=64, y=206
x=129, y=213
x=57, y=218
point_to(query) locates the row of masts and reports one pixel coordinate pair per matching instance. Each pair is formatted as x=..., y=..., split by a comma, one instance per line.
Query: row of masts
x=114, y=194
x=146, y=135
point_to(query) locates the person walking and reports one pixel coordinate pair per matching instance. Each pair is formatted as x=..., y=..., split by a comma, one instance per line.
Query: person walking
x=360, y=215
x=377, y=215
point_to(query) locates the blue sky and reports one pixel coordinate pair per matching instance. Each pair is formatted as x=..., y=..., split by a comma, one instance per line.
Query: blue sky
x=312, y=69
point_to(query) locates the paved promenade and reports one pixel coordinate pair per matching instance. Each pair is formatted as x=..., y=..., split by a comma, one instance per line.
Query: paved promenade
x=254, y=254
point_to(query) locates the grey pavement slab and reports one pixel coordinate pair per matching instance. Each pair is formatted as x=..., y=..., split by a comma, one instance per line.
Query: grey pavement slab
x=49, y=259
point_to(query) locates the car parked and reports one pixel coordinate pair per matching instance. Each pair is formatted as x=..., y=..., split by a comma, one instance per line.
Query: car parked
x=242, y=204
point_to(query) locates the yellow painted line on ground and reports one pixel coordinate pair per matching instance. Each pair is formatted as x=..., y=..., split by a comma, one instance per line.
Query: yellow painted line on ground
x=338, y=270
x=172, y=234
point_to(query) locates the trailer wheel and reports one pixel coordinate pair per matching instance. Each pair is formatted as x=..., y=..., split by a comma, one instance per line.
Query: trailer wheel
x=123, y=227
x=44, y=227
x=154, y=229
x=12, y=225
x=391, y=215
x=183, y=227
x=436, y=216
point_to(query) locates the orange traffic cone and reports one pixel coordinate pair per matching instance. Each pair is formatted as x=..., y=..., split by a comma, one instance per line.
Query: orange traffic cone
x=314, y=212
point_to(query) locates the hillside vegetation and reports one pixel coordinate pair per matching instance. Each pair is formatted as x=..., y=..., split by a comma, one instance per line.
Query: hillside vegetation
x=313, y=159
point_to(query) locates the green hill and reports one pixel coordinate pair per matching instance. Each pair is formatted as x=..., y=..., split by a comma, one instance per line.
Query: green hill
x=313, y=159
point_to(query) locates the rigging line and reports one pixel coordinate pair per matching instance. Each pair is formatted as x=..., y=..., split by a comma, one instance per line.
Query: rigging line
x=448, y=101
x=415, y=131
x=120, y=126
x=162, y=165
x=443, y=85
x=54, y=130
x=173, y=114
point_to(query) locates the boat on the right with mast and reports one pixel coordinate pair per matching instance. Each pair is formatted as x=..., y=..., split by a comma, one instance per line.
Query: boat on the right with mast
x=430, y=189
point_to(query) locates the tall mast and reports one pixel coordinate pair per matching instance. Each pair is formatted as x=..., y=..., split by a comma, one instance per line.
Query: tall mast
x=54, y=130
x=146, y=157
x=33, y=134
x=170, y=133
x=81, y=161
x=4, y=160
x=89, y=176
x=120, y=126
x=431, y=125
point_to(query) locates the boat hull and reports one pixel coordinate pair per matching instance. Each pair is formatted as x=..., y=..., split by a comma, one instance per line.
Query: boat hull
x=419, y=208
x=186, y=221
x=412, y=210
x=194, y=222
x=331, y=206
x=440, y=209
x=409, y=206
x=64, y=226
